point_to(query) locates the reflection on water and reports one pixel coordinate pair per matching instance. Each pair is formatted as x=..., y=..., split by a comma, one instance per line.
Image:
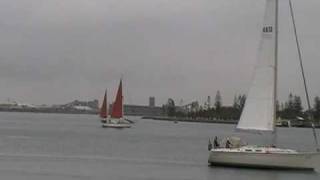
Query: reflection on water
x=55, y=146
x=244, y=174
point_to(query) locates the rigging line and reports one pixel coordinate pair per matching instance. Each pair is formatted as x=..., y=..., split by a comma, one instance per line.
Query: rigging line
x=303, y=76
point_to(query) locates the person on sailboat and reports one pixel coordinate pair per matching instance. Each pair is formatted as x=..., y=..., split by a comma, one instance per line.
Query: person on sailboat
x=216, y=143
x=209, y=145
x=228, y=143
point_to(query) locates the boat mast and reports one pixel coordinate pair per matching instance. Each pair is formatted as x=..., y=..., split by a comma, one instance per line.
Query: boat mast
x=106, y=104
x=303, y=77
x=275, y=69
x=276, y=59
x=122, y=98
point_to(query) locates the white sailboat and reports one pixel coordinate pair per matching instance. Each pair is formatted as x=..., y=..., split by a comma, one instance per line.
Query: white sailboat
x=116, y=119
x=259, y=113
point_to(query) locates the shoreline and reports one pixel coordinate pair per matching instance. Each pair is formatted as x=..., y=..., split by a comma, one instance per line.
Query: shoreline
x=48, y=111
x=190, y=120
x=174, y=119
x=157, y=118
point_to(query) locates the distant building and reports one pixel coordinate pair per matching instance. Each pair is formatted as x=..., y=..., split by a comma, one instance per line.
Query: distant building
x=207, y=104
x=139, y=110
x=152, y=101
x=191, y=107
x=92, y=105
x=136, y=110
x=84, y=107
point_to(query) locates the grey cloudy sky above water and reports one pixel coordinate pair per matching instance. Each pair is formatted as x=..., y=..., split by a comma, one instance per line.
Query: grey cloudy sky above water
x=57, y=51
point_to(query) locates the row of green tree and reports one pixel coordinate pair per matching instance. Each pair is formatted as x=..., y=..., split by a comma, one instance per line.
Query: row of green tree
x=290, y=109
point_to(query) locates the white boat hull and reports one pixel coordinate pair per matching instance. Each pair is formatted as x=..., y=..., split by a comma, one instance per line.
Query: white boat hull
x=264, y=159
x=116, y=123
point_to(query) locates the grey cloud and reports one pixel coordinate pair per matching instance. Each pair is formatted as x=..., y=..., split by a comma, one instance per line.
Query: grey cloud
x=179, y=48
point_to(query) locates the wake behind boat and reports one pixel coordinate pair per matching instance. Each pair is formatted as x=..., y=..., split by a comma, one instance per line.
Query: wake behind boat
x=116, y=119
x=259, y=113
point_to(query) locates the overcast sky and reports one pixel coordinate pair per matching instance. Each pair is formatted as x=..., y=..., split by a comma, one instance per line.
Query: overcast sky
x=55, y=51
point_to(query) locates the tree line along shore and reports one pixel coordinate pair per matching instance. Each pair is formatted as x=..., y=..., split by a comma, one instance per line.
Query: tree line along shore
x=290, y=110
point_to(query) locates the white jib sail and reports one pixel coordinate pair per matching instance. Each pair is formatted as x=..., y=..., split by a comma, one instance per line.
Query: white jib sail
x=259, y=111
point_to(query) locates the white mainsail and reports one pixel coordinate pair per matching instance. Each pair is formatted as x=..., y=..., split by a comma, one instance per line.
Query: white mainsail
x=259, y=111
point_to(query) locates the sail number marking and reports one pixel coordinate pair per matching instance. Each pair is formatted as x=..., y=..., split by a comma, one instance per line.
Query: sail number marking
x=267, y=29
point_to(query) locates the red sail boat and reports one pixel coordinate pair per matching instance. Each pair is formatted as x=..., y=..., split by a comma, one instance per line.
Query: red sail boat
x=116, y=120
x=104, y=109
x=117, y=107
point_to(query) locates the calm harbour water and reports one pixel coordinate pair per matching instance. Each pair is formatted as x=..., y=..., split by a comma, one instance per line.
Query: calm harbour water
x=59, y=146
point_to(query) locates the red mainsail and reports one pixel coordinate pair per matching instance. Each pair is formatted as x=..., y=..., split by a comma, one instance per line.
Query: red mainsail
x=117, y=107
x=103, y=110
